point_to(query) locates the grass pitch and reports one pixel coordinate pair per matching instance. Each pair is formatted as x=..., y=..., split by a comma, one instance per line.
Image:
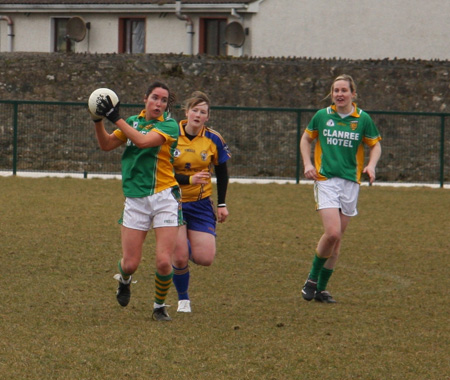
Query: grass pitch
x=60, y=243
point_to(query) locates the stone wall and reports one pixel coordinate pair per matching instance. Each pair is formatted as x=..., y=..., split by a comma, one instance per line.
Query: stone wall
x=263, y=143
x=399, y=85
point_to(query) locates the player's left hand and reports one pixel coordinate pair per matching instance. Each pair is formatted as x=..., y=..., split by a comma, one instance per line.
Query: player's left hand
x=370, y=171
x=222, y=214
x=108, y=110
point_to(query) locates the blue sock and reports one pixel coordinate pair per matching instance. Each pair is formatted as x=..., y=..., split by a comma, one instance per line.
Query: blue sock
x=181, y=281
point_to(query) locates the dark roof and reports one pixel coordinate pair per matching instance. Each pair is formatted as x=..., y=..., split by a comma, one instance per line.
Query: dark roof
x=130, y=2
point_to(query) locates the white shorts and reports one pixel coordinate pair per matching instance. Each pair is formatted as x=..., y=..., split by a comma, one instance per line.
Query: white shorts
x=337, y=193
x=158, y=210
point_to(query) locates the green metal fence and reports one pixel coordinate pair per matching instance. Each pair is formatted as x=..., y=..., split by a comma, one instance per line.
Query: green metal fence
x=264, y=142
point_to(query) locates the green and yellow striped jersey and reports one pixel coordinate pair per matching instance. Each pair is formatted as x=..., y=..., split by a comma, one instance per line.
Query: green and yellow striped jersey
x=339, y=151
x=150, y=170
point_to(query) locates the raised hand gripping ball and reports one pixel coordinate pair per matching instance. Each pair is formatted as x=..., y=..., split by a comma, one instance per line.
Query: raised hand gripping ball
x=96, y=97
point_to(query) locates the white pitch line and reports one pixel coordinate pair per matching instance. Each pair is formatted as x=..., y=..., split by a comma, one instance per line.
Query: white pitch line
x=260, y=181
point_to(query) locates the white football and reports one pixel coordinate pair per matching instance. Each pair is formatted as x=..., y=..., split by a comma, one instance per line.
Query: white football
x=97, y=96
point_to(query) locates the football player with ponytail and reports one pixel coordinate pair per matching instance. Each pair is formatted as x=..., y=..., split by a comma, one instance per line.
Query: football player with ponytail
x=200, y=150
x=340, y=130
x=152, y=194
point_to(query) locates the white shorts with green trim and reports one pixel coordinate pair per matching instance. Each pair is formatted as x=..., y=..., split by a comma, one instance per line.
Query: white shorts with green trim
x=337, y=193
x=158, y=210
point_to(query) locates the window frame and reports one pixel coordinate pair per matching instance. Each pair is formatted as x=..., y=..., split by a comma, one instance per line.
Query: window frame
x=203, y=36
x=123, y=44
x=69, y=46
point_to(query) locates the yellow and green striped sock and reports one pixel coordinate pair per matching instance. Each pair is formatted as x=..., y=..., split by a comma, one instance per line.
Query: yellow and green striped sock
x=162, y=286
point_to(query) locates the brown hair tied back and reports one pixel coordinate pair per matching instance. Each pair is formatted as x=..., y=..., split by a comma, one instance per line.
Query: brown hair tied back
x=159, y=84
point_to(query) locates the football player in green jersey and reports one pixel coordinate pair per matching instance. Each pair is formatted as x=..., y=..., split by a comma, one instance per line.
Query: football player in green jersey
x=152, y=194
x=341, y=131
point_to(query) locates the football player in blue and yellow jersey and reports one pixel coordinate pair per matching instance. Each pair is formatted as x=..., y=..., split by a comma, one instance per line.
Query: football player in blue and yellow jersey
x=340, y=131
x=200, y=150
x=152, y=194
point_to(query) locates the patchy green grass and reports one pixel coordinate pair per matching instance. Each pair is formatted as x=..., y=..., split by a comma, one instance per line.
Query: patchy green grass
x=60, y=243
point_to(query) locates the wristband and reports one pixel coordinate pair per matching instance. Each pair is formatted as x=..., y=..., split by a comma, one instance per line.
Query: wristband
x=221, y=205
x=190, y=180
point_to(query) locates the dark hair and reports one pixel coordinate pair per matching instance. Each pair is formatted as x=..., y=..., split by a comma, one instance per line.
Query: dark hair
x=159, y=84
x=195, y=99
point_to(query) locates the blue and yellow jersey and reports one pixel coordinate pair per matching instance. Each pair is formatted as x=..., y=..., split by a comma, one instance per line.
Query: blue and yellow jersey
x=339, y=151
x=201, y=153
x=150, y=170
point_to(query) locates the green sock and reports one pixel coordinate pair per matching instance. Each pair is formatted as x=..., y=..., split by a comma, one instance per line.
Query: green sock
x=317, y=265
x=162, y=286
x=324, y=276
x=125, y=276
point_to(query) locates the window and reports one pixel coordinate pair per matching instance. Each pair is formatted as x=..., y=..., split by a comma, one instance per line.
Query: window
x=132, y=35
x=212, y=36
x=61, y=42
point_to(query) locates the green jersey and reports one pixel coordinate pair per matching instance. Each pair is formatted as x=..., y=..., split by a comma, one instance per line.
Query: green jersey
x=150, y=170
x=339, y=151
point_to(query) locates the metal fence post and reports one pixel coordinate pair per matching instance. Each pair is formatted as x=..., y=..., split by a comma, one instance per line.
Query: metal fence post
x=441, y=156
x=15, y=122
x=299, y=130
